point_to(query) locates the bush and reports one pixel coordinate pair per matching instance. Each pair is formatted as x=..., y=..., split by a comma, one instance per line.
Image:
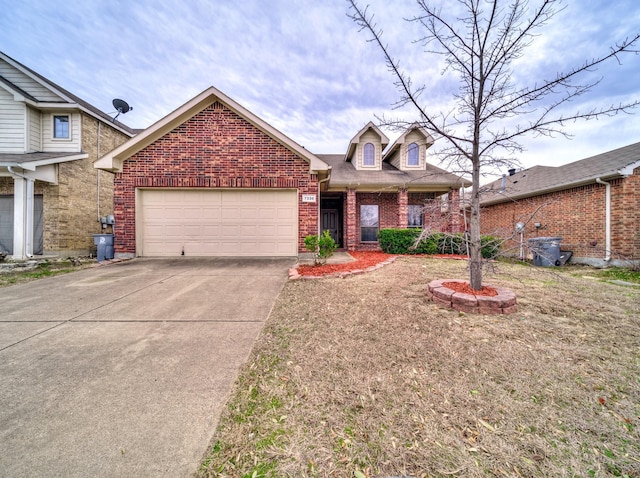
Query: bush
x=321, y=246
x=490, y=246
x=402, y=241
x=397, y=241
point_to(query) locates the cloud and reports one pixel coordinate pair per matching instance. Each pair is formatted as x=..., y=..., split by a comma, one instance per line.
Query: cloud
x=302, y=66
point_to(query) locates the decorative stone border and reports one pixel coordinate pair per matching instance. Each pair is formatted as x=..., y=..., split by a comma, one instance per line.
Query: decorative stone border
x=503, y=303
x=293, y=272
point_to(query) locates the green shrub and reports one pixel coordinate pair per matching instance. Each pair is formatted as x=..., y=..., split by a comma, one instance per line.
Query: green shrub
x=322, y=247
x=490, y=246
x=397, y=241
x=402, y=241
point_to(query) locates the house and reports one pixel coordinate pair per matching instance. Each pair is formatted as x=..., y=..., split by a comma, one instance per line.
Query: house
x=592, y=204
x=51, y=197
x=212, y=178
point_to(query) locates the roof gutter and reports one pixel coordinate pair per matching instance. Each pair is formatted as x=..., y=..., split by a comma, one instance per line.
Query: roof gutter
x=607, y=254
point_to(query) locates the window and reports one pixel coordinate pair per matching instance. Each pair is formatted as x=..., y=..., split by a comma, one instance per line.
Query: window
x=414, y=216
x=368, y=223
x=369, y=155
x=412, y=155
x=61, y=127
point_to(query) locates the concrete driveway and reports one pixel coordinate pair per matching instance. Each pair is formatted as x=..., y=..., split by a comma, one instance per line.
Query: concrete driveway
x=123, y=370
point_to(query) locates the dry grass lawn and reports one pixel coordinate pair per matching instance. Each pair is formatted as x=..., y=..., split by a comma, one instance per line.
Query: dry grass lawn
x=364, y=377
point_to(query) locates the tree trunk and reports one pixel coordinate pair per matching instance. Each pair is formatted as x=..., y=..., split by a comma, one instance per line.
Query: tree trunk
x=475, y=250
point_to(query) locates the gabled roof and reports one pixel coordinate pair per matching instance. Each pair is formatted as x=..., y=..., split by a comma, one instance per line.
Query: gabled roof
x=545, y=179
x=113, y=160
x=345, y=175
x=356, y=139
x=401, y=140
x=68, y=97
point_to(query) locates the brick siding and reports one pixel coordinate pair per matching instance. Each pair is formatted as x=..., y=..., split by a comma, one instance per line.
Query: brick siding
x=577, y=215
x=216, y=148
x=392, y=213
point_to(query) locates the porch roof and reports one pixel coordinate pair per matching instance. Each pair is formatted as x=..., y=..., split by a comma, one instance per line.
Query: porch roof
x=344, y=175
x=30, y=161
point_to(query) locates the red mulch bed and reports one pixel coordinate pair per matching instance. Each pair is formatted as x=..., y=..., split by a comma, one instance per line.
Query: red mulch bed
x=362, y=261
x=465, y=288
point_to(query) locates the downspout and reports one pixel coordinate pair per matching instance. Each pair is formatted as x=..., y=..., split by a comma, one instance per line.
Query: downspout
x=319, y=212
x=28, y=238
x=98, y=157
x=607, y=254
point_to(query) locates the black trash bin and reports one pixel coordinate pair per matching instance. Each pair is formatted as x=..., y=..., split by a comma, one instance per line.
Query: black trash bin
x=546, y=251
x=104, y=243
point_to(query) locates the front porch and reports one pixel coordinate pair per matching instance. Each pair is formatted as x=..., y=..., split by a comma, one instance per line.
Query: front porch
x=353, y=218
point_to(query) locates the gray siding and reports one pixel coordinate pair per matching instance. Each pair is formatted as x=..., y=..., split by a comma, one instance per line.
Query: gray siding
x=27, y=84
x=35, y=133
x=61, y=145
x=12, y=124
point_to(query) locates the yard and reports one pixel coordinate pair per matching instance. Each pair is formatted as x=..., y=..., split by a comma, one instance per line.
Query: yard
x=364, y=377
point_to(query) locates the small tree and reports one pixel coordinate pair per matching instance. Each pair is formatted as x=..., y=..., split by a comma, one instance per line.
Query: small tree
x=322, y=247
x=493, y=112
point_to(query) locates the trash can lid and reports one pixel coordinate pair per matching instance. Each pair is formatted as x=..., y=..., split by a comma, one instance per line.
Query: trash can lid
x=544, y=239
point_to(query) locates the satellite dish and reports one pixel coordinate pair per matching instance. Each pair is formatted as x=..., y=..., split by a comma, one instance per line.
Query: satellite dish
x=121, y=107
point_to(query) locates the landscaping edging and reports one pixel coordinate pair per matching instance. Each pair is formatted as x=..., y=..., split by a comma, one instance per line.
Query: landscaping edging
x=503, y=303
x=293, y=272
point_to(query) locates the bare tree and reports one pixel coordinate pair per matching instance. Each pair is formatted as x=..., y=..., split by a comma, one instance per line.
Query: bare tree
x=493, y=112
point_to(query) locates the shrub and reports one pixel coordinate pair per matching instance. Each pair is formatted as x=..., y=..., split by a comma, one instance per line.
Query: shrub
x=397, y=241
x=402, y=241
x=490, y=246
x=322, y=247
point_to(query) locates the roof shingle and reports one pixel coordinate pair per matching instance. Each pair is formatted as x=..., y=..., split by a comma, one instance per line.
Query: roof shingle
x=542, y=179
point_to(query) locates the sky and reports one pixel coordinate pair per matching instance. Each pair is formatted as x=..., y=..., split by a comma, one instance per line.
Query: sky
x=303, y=65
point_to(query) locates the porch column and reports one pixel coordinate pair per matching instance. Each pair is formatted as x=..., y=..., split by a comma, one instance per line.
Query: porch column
x=456, y=223
x=352, y=233
x=403, y=208
x=22, y=217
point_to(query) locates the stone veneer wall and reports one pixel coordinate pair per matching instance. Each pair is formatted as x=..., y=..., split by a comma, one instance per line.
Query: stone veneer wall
x=70, y=208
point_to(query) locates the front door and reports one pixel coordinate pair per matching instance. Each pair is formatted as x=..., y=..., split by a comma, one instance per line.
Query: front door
x=331, y=222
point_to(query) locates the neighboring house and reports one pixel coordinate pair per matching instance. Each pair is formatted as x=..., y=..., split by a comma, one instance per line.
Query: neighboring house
x=593, y=204
x=212, y=178
x=51, y=197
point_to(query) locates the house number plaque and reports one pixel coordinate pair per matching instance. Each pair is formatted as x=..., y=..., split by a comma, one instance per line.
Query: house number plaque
x=308, y=198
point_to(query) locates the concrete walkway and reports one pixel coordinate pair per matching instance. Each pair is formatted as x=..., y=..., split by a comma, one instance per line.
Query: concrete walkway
x=123, y=370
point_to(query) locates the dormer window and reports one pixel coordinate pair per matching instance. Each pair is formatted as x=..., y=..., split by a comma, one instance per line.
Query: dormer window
x=412, y=155
x=61, y=127
x=369, y=155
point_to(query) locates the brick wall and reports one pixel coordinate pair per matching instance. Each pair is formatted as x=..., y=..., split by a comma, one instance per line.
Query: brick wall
x=216, y=148
x=577, y=215
x=392, y=213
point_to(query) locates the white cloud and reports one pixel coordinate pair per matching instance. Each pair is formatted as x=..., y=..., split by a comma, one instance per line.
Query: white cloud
x=303, y=66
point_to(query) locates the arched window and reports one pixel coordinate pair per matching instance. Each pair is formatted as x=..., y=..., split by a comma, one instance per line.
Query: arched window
x=412, y=155
x=369, y=155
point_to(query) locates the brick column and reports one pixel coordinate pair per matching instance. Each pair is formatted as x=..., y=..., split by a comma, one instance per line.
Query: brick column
x=403, y=208
x=456, y=224
x=352, y=233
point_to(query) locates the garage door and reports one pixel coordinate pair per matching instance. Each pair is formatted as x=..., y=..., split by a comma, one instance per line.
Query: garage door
x=217, y=222
x=6, y=224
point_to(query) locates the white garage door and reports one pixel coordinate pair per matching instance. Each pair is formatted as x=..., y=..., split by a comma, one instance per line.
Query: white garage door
x=205, y=222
